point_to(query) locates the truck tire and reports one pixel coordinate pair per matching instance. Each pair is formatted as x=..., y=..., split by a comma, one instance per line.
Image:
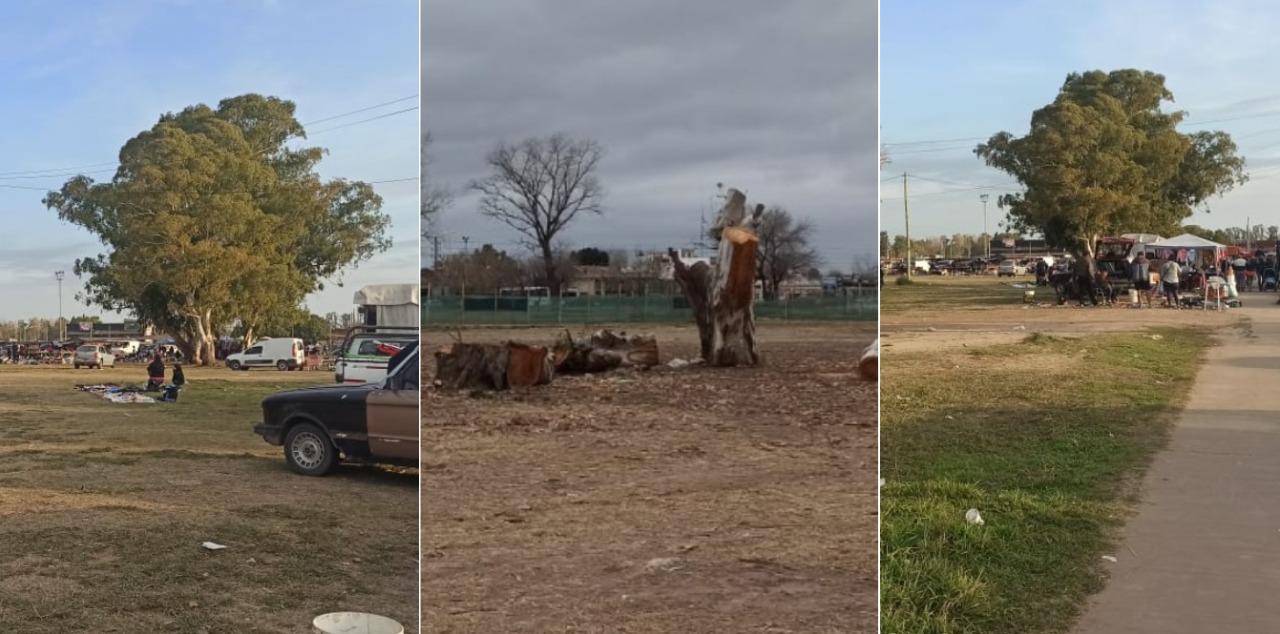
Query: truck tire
x=282, y=365
x=234, y=365
x=308, y=450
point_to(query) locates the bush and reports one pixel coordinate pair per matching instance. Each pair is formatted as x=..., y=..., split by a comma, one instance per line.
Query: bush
x=904, y=280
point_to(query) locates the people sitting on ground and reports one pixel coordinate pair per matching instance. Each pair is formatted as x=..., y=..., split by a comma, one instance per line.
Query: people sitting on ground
x=155, y=373
x=1042, y=272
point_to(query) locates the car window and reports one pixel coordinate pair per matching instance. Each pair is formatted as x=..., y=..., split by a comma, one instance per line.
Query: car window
x=254, y=350
x=87, y=349
x=409, y=376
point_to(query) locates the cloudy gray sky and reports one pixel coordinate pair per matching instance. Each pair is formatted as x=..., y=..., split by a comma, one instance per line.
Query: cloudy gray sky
x=777, y=99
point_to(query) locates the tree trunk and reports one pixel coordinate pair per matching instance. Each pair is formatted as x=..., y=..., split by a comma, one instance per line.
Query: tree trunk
x=549, y=267
x=474, y=366
x=604, y=351
x=722, y=298
x=203, y=348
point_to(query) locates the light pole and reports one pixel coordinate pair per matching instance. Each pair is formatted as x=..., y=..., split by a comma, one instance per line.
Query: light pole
x=62, y=324
x=986, y=239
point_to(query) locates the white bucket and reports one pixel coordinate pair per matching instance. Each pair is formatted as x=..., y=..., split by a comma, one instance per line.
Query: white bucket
x=1133, y=297
x=355, y=623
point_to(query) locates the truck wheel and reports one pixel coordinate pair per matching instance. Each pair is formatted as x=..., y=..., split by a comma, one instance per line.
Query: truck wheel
x=282, y=365
x=234, y=365
x=307, y=450
x=77, y=366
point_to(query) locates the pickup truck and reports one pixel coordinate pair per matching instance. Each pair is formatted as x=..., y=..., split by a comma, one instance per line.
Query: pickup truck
x=375, y=422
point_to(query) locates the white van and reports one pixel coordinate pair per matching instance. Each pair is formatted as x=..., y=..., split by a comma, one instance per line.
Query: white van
x=282, y=353
x=127, y=348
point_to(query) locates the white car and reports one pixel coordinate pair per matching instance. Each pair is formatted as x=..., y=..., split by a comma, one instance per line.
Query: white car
x=1011, y=269
x=94, y=356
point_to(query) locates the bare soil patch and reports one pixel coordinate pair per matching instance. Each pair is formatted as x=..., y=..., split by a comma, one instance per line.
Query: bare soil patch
x=670, y=500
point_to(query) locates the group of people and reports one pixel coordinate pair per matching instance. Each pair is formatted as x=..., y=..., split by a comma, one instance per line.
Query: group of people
x=155, y=378
x=1145, y=273
x=1148, y=275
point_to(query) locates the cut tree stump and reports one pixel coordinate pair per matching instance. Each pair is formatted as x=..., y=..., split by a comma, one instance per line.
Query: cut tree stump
x=603, y=351
x=722, y=297
x=476, y=366
x=869, y=364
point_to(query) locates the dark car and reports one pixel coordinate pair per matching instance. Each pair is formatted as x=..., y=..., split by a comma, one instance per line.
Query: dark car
x=374, y=422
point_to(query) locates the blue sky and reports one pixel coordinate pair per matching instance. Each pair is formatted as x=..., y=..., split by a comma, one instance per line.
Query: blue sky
x=953, y=74
x=81, y=78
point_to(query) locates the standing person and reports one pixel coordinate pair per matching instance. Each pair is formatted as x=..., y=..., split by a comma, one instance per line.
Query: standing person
x=1170, y=277
x=179, y=377
x=1140, y=273
x=1086, y=269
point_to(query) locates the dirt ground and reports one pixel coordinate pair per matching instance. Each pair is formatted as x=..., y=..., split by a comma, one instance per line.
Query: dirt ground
x=104, y=506
x=949, y=327
x=675, y=500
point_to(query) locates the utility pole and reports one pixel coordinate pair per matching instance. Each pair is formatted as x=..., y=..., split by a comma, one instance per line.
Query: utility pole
x=986, y=239
x=435, y=252
x=466, y=264
x=906, y=213
x=62, y=323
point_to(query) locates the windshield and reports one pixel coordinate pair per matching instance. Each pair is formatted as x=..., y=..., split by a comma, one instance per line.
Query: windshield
x=87, y=349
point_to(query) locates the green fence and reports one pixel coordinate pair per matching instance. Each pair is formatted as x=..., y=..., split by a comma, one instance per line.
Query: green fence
x=855, y=305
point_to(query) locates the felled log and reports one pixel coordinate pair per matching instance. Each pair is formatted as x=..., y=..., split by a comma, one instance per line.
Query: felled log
x=722, y=297
x=869, y=364
x=604, y=350
x=477, y=366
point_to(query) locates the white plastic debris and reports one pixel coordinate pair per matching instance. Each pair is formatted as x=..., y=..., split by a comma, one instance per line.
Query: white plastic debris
x=212, y=546
x=664, y=564
x=972, y=516
x=677, y=363
x=1109, y=558
x=881, y=481
x=1019, y=327
x=1157, y=337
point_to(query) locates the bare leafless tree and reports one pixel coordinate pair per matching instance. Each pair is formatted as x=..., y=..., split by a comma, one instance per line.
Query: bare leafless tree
x=434, y=198
x=539, y=187
x=784, y=249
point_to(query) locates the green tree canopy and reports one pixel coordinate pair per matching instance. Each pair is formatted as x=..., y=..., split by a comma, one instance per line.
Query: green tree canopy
x=1103, y=158
x=213, y=216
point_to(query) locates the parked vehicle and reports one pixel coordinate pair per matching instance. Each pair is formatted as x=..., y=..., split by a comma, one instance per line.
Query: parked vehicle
x=283, y=353
x=127, y=348
x=319, y=427
x=364, y=353
x=1011, y=269
x=94, y=356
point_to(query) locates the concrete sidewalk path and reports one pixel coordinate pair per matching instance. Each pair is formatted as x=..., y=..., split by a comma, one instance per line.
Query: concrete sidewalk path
x=1203, y=553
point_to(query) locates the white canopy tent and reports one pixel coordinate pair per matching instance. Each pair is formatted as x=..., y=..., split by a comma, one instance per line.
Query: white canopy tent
x=1185, y=241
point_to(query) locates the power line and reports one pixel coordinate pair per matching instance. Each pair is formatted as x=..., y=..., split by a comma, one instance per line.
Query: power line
x=75, y=169
x=381, y=116
x=347, y=114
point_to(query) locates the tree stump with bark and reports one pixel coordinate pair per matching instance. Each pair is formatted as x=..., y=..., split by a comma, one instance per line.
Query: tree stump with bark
x=869, y=364
x=722, y=298
x=475, y=366
x=603, y=351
